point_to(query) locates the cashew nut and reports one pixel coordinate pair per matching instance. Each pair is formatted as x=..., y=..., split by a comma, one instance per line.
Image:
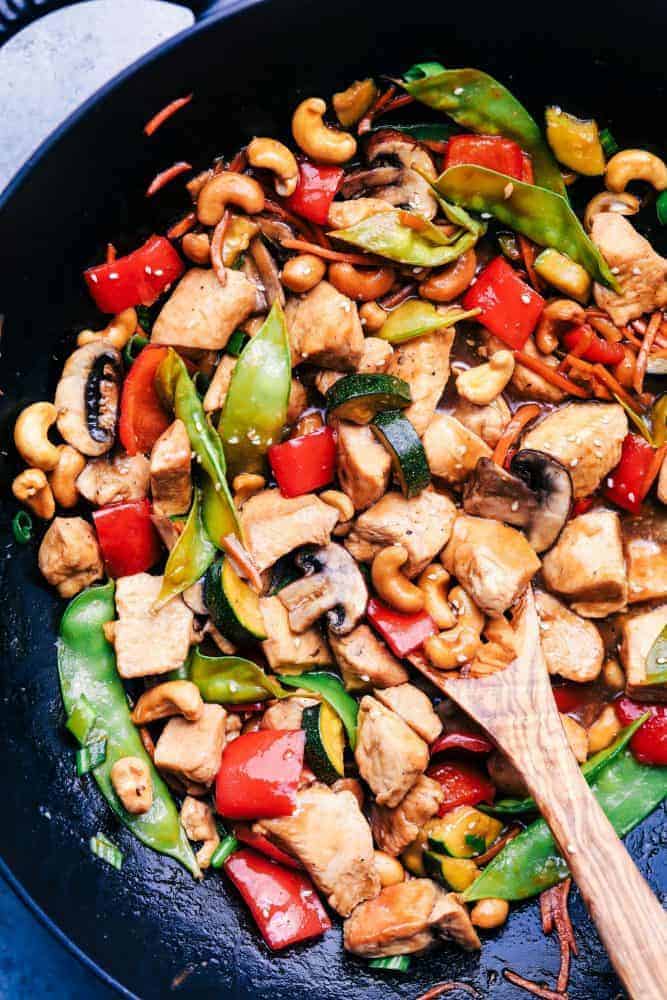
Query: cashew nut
x=31, y=488
x=199, y=824
x=132, y=784
x=392, y=586
x=171, y=698
x=604, y=730
x=63, y=478
x=245, y=485
x=31, y=436
x=323, y=144
x=372, y=316
x=224, y=189
x=269, y=154
x=489, y=913
x=342, y=503
x=606, y=201
x=467, y=612
x=456, y=646
x=557, y=314
x=361, y=284
x=303, y=272
x=635, y=165
x=390, y=870
x=614, y=676
x=117, y=332
x=483, y=384
x=197, y=247
x=450, y=282
x=434, y=582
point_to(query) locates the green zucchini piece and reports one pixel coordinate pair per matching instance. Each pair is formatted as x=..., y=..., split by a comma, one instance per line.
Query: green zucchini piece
x=360, y=397
x=393, y=963
x=234, y=606
x=408, y=457
x=324, y=742
x=463, y=832
x=456, y=873
x=412, y=857
x=333, y=692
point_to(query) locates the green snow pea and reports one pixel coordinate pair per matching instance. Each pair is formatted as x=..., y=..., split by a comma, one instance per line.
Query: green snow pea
x=255, y=410
x=386, y=235
x=231, y=679
x=330, y=687
x=87, y=668
x=190, y=557
x=417, y=317
x=541, y=215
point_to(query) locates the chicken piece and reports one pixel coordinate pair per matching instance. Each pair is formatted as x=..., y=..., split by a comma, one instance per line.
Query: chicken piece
x=363, y=465
x=645, y=542
x=488, y=422
x=638, y=633
x=201, y=313
x=343, y=214
x=421, y=525
x=414, y=707
x=405, y=919
x=105, y=481
x=274, y=525
x=364, y=660
x=286, y=714
x=451, y=449
x=146, y=641
x=424, y=364
x=324, y=329
x=69, y=557
x=526, y=383
x=171, y=481
x=192, y=751
x=577, y=737
x=639, y=270
x=393, y=829
x=199, y=824
x=572, y=646
x=375, y=357
x=493, y=562
x=586, y=565
x=329, y=835
x=389, y=755
x=584, y=437
x=297, y=402
x=285, y=651
x=219, y=387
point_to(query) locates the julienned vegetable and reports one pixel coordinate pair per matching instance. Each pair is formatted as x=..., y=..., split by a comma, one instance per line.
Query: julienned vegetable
x=259, y=775
x=305, y=463
x=105, y=849
x=137, y=279
x=87, y=666
x=231, y=680
x=418, y=243
x=331, y=689
x=190, y=557
x=128, y=540
x=506, y=305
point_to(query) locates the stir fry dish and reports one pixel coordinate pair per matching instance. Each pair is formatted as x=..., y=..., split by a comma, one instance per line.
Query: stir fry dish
x=371, y=385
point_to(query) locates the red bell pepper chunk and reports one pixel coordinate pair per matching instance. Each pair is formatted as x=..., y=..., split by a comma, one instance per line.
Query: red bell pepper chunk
x=510, y=307
x=128, y=540
x=570, y=697
x=283, y=903
x=472, y=742
x=462, y=784
x=582, y=506
x=402, y=633
x=259, y=774
x=628, y=484
x=305, y=463
x=262, y=844
x=492, y=151
x=142, y=416
x=316, y=189
x=649, y=743
x=599, y=351
x=139, y=278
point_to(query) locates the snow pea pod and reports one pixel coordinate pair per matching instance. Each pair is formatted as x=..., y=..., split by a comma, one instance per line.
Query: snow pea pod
x=231, y=680
x=417, y=317
x=190, y=557
x=421, y=244
x=87, y=667
x=543, y=216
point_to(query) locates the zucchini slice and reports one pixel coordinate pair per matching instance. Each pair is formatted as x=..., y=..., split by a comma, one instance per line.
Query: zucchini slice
x=402, y=442
x=234, y=606
x=324, y=742
x=412, y=857
x=359, y=397
x=456, y=873
x=462, y=833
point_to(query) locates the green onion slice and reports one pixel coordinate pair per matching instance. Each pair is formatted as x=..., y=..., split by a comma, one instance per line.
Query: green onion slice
x=22, y=527
x=223, y=851
x=91, y=756
x=608, y=143
x=105, y=849
x=236, y=343
x=393, y=963
x=81, y=720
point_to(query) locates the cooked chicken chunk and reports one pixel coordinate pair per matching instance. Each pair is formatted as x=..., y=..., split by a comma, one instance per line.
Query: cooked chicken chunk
x=572, y=646
x=286, y=651
x=348, y=213
x=586, y=565
x=422, y=525
x=362, y=463
x=405, y=919
x=488, y=422
x=375, y=357
x=329, y=835
x=286, y=714
x=526, y=383
x=364, y=660
x=192, y=751
x=147, y=641
x=199, y=824
x=216, y=394
x=646, y=564
x=639, y=270
x=171, y=482
x=638, y=633
x=274, y=525
x=389, y=755
x=69, y=556
x=424, y=364
x=324, y=329
x=493, y=562
x=393, y=829
x=451, y=449
x=414, y=707
x=586, y=438
x=124, y=477
x=202, y=313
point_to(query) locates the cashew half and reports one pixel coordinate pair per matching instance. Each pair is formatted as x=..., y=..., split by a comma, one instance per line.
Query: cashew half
x=31, y=436
x=197, y=248
x=447, y=284
x=635, y=165
x=303, y=272
x=392, y=586
x=224, y=189
x=390, y=870
x=434, y=582
x=171, y=698
x=269, y=154
x=245, y=485
x=132, y=784
x=361, y=284
x=322, y=144
x=342, y=503
x=118, y=331
x=489, y=913
x=484, y=383
x=63, y=478
x=606, y=201
x=31, y=488
x=372, y=316
x=557, y=314
x=458, y=645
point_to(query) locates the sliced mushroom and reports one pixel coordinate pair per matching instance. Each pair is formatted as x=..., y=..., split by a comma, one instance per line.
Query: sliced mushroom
x=359, y=182
x=411, y=190
x=87, y=398
x=333, y=585
x=268, y=272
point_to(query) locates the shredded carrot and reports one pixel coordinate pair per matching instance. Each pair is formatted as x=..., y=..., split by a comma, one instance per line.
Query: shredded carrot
x=320, y=236
x=654, y=468
x=182, y=227
x=239, y=162
x=661, y=335
x=630, y=337
x=161, y=117
x=526, y=984
x=301, y=226
x=398, y=102
x=326, y=254
x=166, y=176
x=380, y=102
x=521, y=417
x=483, y=859
x=644, y=351
x=111, y=253
x=412, y=221
x=393, y=299
x=451, y=987
x=550, y=375
x=528, y=254
x=216, y=248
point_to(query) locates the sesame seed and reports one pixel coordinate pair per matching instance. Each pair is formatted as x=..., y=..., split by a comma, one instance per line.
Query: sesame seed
x=159, y=273
x=574, y=463
x=631, y=497
x=508, y=191
x=148, y=269
x=458, y=91
x=610, y=482
x=114, y=276
x=636, y=270
x=525, y=298
x=615, y=270
x=486, y=215
x=515, y=505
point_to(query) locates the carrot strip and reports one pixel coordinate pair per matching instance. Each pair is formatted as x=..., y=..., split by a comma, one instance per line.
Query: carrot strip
x=644, y=351
x=324, y=252
x=111, y=253
x=320, y=236
x=521, y=417
x=614, y=385
x=166, y=176
x=376, y=107
x=398, y=102
x=451, y=987
x=630, y=337
x=182, y=227
x=216, y=248
x=162, y=116
x=550, y=375
x=654, y=468
x=412, y=221
x=528, y=254
x=239, y=162
x=525, y=984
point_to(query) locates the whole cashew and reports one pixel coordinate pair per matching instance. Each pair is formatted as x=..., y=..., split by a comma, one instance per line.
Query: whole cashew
x=372, y=316
x=489, y=913
x=434, y=582
x=484, y=383
x=118, y=331
x=450, y=282
x=303, y=272
x=467, y=612
x=390, y=870
x=224, y=189
x=342, y=503
x=557, y=314
x=361, y=284
x=457, y=645
x=322, y=144
x=269, y=154
x=245, y=485
x=635, y=165
x=31, y=436
x=392, y=586
x=197, y=247
x=622, y=203
x=171, y=698
x=31, y=488
x=63, y=478
x=132, y=784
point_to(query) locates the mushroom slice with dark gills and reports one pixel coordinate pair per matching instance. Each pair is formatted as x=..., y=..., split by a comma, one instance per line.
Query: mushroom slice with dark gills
x=398, y=171
x=535, y=495
x=332, y=585
x=87, y=398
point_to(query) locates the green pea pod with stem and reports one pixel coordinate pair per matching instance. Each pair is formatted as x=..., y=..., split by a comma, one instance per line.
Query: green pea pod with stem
x=190, y=557
x=543, y=216
x=417, y=317
x=480, y=103
x=231, y=680
x=330, y=687
x=87, y=668
x=386, y=235
x=255, y=409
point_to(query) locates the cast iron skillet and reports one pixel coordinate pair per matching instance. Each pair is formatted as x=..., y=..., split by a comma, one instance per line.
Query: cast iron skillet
x=151, y=928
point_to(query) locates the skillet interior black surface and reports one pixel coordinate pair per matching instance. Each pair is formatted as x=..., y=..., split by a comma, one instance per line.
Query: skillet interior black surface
x=148, y=924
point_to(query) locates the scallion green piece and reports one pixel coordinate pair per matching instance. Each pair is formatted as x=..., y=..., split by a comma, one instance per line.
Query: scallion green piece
x=91, y=756
x=223, y=850
x=608, y=143
x=661, y=208
x=22, y=527
x=81, y=720
x=103, y=848
x=393, y=963
x=236, y=343
x=134, y=346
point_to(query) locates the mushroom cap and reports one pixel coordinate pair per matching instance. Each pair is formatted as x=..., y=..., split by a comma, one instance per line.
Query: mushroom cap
x=332, y=585
x=87, y=398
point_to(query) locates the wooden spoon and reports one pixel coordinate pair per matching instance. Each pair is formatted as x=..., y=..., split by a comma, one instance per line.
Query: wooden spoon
x=516, y=707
